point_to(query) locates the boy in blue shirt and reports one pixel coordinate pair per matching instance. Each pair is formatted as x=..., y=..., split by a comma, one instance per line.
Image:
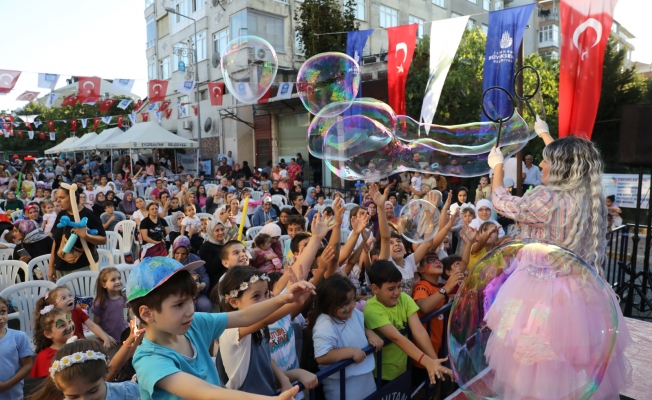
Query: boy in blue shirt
x=173, y=361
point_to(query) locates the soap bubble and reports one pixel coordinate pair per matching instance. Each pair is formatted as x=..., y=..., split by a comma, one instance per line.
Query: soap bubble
x=328, y=78
x=249, y=66
x=350, y=136
x=532, y=320
x=371, y=108
x=428, y=155
x=418, y=221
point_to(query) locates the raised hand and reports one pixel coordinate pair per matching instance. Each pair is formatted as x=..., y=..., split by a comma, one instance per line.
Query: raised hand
x=361, y=223
x=320, y=226
x=378, y=198
x=339, y=209
x=296, y=290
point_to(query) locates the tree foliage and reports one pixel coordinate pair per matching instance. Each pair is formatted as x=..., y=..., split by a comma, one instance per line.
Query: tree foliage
x=62, y=129
x=315, y=17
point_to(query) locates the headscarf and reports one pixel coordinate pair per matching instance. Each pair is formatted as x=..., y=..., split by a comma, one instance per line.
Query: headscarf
x=174, y=227
x=374, y=218
x=183, y=241
x=128, y=207
x=311, y=201
x=477, y=222
x=272, y=230
x=29, y=231
x=209, y=232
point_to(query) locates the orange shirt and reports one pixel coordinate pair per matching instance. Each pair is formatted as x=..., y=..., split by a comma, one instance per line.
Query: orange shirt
x=422, y=290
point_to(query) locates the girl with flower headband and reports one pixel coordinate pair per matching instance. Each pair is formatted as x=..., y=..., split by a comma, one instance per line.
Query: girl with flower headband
x=81, y=370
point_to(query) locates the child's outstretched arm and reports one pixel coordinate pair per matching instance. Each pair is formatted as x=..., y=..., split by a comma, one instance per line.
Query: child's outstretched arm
x=482, y=240
x=99, y=332
x=380, y=199
x=357, y=228
x=319, y=230
x=469, y=239
x=126, y=351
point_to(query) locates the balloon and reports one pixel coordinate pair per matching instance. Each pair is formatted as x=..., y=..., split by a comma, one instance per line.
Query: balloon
x=328, y=78
x=249, y=66
x=418, y=221
x=532, y=320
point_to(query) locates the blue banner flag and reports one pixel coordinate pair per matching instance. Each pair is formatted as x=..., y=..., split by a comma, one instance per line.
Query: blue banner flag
x=355, y=42
x=504, y=37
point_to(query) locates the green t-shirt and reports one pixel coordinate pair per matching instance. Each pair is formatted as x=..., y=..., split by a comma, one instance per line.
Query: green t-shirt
x=377, y=315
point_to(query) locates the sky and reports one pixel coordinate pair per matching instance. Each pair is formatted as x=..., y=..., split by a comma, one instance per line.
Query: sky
x=107, y=39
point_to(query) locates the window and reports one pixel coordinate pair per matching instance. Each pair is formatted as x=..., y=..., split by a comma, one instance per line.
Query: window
x=360, y=8
x=485, y=29
x=176, y=57
x=549, y=35
x=151, y=68
x=185, y=7
x=164, y=68
x=148, y=3
x=220, y=40
x=200, y=42
x=265, y=26
x=163, y=26
x=203, y=95
x=388, y=17
x=440, y=3
x=298, y=45
x=151, y=30
x=486, y=5
x=498, y=5
x=455, y=15
x=415, y=20
x=473, y=1
x=470, y=24
x=629, y=54
x=186, y=107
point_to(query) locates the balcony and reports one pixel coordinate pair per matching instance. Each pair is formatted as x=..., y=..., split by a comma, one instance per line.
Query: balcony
x=548, y=14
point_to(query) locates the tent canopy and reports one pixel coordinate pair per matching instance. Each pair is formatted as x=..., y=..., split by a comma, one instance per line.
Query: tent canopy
x=56, y=149
x=148, y=135
x=74, y=146
x=106, y=134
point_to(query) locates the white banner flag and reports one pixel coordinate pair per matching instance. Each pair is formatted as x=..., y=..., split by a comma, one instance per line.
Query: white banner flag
x=53, y=136
x=132, y=118
x=284, y=90
x=159, y=116
x=182, y=111
x=30, y=134
x=107, y=120
x=6, y=134
x=124, y=104
x=445, y=37
x=84, y=121
x=37, y=123
x=47, y=81
x=186, y=87
x=123, y=84
x=51, y=98
x=152, y=106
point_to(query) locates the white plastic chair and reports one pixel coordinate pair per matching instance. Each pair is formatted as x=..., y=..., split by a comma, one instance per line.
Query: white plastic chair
x=125, y=270
x=148, y=193
x=282, y=239
x=120, y=195
x=280, y=198
x=42, y=262
x=81, y=284
x=15, y=215
x=168, y=219
x=6, y=254
x=256, y=195
x=128, y=229
x=277, y=203
x=9, y=273
x=253, y=231
x=106, y=259
x=204, y=214
x=350, y=206
x=114, y=246
x=345, y=233
x=24, y=296
x=209, y=187
x=328, y=202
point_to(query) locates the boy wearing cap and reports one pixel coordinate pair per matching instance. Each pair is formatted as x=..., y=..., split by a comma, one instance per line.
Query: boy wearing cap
x=173, y=361
x=265, y=214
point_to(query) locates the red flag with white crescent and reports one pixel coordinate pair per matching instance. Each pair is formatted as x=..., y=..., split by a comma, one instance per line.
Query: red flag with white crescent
x=96, y=122
x=402, y=41
x=27, y=96
x=41, y=135
x=585, y=29
x=70, y=101
x=216, y=92
x=8, y=79
x=120, y=118
x=157, y=90
x=73, y=125
x=51, y=125
x=106, y=104
x=139, y=104
x=195, y=108
x=145, y=116
x=164, y=105
x=168, y=113
x=88, y=89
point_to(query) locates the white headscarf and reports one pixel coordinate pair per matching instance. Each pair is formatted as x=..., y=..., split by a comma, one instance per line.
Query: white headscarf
x=477, y=222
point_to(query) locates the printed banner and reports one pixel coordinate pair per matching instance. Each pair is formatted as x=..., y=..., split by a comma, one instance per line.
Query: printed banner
x=47, y=81
x=285, y=90
x=355, y=43
x=123, y=84
x=625, y=188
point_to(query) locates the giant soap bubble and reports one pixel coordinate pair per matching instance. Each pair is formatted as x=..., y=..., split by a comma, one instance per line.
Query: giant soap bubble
x=367, y=107
x=328, y=78
x=532, y=320
x=418, y=221
x=249, y=66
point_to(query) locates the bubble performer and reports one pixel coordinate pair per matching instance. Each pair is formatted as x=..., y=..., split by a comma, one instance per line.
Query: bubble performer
x=568, y=210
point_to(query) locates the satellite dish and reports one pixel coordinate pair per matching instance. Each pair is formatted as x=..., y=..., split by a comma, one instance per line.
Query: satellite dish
x=207, y=124
x=216, y=59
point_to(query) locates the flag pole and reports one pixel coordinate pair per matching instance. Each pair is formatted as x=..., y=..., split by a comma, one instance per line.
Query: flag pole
x=519, y=155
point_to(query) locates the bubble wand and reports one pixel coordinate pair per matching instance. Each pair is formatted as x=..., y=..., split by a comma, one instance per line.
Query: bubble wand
x=242, y=220
x=72, y=189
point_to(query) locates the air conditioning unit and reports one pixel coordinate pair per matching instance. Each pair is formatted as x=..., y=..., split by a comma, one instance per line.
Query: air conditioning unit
x=187, y=125
x=257, y=54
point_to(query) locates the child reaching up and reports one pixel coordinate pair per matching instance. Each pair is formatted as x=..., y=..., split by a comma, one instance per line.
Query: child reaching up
x=16, y=356
x=110, y=308
x=340, y=334
x=173, y=361
x=52, y=328
x=487, y=240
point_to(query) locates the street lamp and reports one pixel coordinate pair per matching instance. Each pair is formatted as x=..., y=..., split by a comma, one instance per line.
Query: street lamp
x=194, y=45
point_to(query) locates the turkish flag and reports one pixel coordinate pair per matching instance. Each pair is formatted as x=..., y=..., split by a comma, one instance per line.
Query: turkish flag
x=157, y=90
x=88, y=88
x=73, y=125
x=120, y=117
x=139, y=104
x=96, y=122
x=168, y=113
x=41, y=135
x=266, y=96
x=8, y=79
x=585, y=29
x=402, y=41
x=51, y=125
x=106, y=104
x=20, y=134
x=27, y=96
x=195, y=108
x=164, y=105
x=216, y=92
x=70, y=101
x=145, y=116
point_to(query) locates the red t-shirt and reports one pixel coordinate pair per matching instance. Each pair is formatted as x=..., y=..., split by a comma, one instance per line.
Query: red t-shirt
x=423, y=289
x=42, y=364
x=79, y=317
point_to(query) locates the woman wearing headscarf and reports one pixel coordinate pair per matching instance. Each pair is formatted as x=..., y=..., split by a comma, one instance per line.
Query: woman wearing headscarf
x=128, y=204
x=181, y=252
x=483, y=214
x=31, y=242
x=373, y=217
x=98, y=204
x=13, y=203
x=247, y=170
x=210, y=252
x=175, y=225
x=32, y=212
x=311, y=197
x=222, y=214
x=110, y=196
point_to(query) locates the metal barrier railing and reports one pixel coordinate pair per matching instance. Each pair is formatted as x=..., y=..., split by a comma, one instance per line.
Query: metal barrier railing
x=617, y=247
x=350, y=194
x=340, y=367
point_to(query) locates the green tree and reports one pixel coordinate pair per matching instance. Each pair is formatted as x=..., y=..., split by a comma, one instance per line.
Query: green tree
x=317, y=17
x=62, y=129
